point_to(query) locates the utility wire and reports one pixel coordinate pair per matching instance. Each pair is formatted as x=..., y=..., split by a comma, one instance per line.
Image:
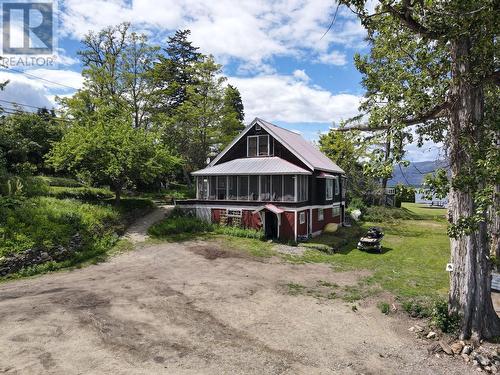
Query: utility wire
x=37, y=77
x=23, y=105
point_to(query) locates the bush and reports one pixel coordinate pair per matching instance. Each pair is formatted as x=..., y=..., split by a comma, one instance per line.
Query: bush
x=384, y=307
x=417, y=309
x=384, y=214
x=60, y=181
x=178, y=225
x=46, y=222
x=357, y=204
x=240, y=232
x=443, y=320
x=81, y=193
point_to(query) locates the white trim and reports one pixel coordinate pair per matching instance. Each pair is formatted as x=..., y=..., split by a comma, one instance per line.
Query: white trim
x=295, y=220
x=252, y=208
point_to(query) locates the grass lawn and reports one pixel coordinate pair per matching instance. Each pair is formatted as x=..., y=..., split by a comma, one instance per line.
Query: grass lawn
x=414, y=256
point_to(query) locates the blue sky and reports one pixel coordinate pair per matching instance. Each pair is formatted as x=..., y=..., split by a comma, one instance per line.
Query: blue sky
x=274, y=51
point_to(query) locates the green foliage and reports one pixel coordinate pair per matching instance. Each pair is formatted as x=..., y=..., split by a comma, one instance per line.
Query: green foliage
x=60, y=181
x=240, y=232
x=357, y=204
x=46, y=222
x=174, y=225
x=107, y=150
x=436, y=185
x=384, y=307
x=416, y=308
x=441, y=318
x=381, y=214
x=405, y=193
x=81, y=193
x=25, y=139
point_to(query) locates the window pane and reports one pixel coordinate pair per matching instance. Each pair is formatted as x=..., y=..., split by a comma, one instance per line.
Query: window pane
x=277, y=188
x=337, y=187
x=263, y=145
x=289, y=188
x=232, y=182
x=302, y=188
x=265, y=188
x=329, y=189
x=221, y=187
x=320, y=214
x=243, y=188
x=252, y=146
x=202, y=188
x=212, y=189
x=254, y=188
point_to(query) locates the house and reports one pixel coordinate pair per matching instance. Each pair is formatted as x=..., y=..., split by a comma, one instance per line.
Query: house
x=270, y=178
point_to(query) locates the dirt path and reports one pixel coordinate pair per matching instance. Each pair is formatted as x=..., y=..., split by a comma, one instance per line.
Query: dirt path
x=176, y=309
x=138, y=232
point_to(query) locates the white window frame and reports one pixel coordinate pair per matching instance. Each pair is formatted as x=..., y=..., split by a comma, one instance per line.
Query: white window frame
x=321, y=214
x=258, y=145
x=328, y=196
x=302, y=217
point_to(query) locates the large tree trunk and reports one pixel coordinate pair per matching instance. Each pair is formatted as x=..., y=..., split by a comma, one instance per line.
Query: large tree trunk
x=470, y=280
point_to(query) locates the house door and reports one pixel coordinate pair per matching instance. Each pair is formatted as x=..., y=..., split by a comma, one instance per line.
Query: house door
x=271, y=225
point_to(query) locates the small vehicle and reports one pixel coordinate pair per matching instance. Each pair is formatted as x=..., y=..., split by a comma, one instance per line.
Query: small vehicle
x=372, y=240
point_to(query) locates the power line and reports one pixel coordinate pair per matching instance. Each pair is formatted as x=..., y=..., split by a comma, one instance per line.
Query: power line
x=16, y=111
x=37, y=77
x=22, y=104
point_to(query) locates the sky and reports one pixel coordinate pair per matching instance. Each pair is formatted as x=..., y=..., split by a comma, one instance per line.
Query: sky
x=289, y=70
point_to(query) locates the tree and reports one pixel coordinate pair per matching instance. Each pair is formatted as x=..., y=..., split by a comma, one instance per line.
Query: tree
x=349, y=150
x=432, y=65
x=104, y=148
x=198, y=119
x=232, y=117
x=25, y=139
x=116, y=65
x=173, y=72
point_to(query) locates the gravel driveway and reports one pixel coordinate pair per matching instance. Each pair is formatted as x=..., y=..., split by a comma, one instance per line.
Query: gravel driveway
x=195, y=308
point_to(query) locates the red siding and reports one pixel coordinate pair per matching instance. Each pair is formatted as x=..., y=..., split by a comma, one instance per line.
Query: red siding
x=287, y=227
x=216, y=212
x=251, y=220
x=302, y=228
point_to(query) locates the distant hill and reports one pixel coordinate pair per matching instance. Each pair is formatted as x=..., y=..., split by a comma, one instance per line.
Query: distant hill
x=414, y=174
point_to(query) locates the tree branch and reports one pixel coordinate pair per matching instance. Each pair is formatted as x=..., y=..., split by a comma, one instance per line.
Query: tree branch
x=407, y=18
x=435, y=113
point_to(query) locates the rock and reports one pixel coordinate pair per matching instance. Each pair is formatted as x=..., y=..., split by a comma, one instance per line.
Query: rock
x=411, y=329
x=465, y=357
x=487, y=368
x=431, y=335
x=483, y=361
x=494, y=369
x=418, y=328
x=456, y=347
x=467, y=349
x=434, y=348
x=446, y=347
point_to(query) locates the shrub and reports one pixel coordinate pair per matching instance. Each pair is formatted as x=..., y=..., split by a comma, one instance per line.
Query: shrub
x=46, y=222
x=81, y=193
x=357, y=204
x=417, y=309
x=441, y=318
x=60, y=181
x=383, y=307
x=385, y=214
x=240, y=232
x=178, y=225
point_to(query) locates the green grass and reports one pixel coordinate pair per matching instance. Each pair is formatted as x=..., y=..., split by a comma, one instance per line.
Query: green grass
x=412, y=263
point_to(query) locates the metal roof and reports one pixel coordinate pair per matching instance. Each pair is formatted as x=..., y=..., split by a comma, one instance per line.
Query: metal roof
x=300, y=147
x=252, y=166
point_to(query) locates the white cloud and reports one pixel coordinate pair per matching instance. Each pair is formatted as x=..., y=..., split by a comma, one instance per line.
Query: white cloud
x=333, y=58
x=301, y=75
x=250, y=31
x=286, y=98
x=25, y=89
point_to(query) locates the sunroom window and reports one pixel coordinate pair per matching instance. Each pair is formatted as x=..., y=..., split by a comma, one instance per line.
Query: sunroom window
x=329, y=189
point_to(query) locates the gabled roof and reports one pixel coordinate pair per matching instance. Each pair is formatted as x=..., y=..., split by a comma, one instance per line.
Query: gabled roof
x=301, y=148
x=252, y=166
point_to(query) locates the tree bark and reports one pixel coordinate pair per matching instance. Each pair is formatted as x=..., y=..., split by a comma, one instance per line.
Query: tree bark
x=118, y=196
x=470, y=280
